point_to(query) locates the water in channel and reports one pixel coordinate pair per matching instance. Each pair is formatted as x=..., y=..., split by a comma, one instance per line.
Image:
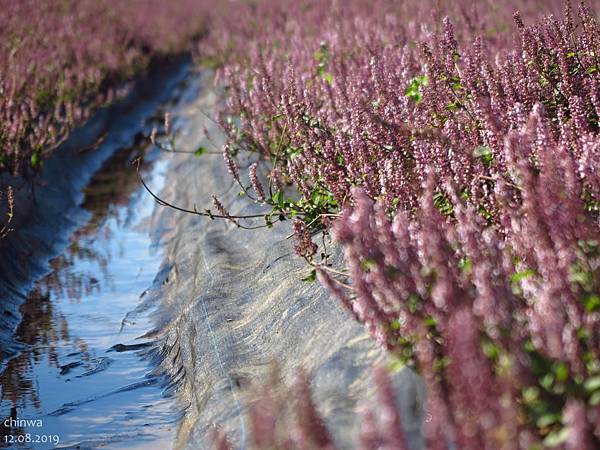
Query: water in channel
x=81, y=380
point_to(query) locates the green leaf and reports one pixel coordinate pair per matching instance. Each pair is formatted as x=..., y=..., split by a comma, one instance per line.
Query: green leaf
x=485, y=153
x=556, y=438
x=547, y=381
x=595, y=399
x=592, y=303
x=441, y=363
x=491, y=350
x=581, y=276
x=523, y=274
x=547, y=419
x=277, y=198
x=465, y=265
x=35, y=159
x=592, y=384
x=430, y=322
x=327, y=77
x=367, y=264
x=561, y=371
x=453, y=106
x=312, y=276
x=269, y=221
x=413, y=302
x=413, y=90
x=321, y=56
x=442, y=203
x=200, y=151
x=531, y=394
x=396, y=364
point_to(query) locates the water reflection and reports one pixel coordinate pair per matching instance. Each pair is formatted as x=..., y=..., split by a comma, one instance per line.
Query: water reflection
x=110, y=195
x=95, y=267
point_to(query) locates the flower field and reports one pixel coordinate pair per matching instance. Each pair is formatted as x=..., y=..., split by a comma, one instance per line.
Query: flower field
x=61, y=59
x=449, y=150
x=452, y=151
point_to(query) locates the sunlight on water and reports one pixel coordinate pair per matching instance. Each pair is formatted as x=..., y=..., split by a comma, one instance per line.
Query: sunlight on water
x=67, y=376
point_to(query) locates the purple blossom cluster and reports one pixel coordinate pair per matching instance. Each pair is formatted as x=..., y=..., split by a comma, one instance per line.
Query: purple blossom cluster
x=59, y=59
x=402, y=99
x=476, y=308
x=288, y=419
x=461, y=147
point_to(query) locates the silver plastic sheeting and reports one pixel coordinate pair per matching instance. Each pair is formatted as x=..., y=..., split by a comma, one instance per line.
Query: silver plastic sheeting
x=232, y=302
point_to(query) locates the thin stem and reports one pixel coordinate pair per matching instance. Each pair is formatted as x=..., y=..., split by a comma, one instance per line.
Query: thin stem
x=96, y=144
x=205, y=213
x=275, y=159
x=172, y=149
x=329, y=269
x=332, y=270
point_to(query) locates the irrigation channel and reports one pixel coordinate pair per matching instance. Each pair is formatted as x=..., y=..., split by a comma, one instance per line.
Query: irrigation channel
x=130, y=325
